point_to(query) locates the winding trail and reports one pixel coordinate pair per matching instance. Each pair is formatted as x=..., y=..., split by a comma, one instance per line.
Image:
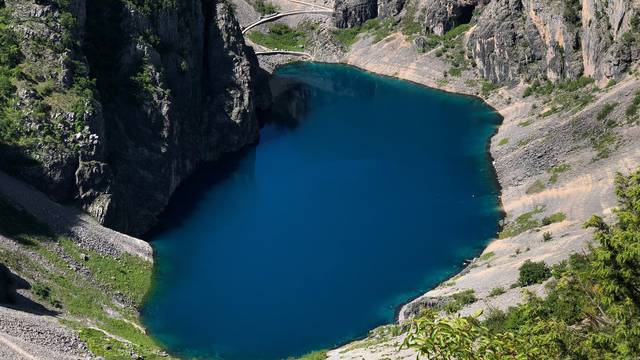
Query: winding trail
x=284, y=14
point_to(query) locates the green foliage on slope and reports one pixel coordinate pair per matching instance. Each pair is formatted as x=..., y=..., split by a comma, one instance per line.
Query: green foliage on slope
x=99, y=303
x=592, y=310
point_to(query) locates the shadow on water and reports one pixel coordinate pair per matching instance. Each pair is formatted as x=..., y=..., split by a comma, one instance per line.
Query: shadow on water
x=191, y=192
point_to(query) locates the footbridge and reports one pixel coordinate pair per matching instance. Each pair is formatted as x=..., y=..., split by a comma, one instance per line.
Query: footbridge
x=277, y=16
x=284, y=52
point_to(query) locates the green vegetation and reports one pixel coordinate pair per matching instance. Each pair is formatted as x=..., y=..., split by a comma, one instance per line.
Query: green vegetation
x=533, y=273
x=48, y=263
x=554, y=218
x=379, y=30
x=591, y=311
x=522, y=223
x=58, y=109
x=487, y=88
x=572, y=11
x=280, y=36
x=504, y=141
x=265, y=8
x=128, y=275
x=606, y=110
x=460, y=300
x=572, y=96
x=316, y=355
x=632, y=109
x=409, y=25
x=556, y=171
x=536, y=187
x=603, y=145
x=547, y=236
x=487, y=256
x=497, y=291
x=10, y=58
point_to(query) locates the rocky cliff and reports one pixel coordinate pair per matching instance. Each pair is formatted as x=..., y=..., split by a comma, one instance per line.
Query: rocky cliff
x=113, y=103
x=513, y=40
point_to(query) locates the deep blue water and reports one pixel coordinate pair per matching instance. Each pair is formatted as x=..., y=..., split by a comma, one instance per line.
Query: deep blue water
x=366, y=192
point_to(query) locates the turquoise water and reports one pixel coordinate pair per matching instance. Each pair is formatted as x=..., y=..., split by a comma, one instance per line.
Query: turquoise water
x=363, y=192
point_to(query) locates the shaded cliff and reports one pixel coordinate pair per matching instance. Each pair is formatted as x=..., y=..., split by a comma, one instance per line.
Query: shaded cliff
x=118, y=101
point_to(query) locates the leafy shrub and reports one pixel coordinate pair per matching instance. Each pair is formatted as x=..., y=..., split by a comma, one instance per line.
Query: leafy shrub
x=554, y=218
x=547, y=236
x=460, y=300
x=497, y=291
x=533, y=273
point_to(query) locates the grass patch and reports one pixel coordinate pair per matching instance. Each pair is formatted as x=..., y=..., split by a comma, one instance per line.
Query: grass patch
x=487, y=256
x=316, y=355
x=632, y=109
x=603, y=145
x=504, y=141
x=496, y=291
x=127, y=274
x=522, y=223
x=554, y=218
x=281, y=37
x=606, y=110
x=556, y=171
x=379, y=29
x=76, y=296
x=460, y=300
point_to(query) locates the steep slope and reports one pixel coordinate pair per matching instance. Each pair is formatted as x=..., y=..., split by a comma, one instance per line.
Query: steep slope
x=113, y=103
x=511, y=40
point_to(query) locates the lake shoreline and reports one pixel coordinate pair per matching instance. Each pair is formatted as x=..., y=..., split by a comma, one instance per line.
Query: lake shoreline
x=523, y=150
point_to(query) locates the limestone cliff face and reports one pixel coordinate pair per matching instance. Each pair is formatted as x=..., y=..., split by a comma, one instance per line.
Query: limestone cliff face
x=350, y=13
x=555, y=40
x=513, y=40
x=175, y=86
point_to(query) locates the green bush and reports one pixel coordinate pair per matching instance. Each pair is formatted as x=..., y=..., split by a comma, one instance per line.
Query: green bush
x=632, y=109
x=554, y=218
x=533, y=273
x=460, y=300
x=547, y=236
x=497, y=291
x=606, y=110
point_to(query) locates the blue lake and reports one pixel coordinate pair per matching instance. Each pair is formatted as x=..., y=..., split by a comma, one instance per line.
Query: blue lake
x=363, y=193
